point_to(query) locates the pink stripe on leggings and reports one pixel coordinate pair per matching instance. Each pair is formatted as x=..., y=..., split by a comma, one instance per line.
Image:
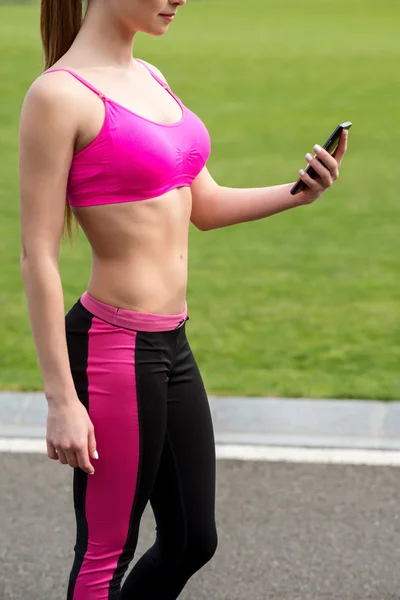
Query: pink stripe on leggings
x=111, y=490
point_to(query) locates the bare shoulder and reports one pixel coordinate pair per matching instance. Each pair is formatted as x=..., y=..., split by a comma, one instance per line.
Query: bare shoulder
x=52, y=109
x=50, y=116
x=51, y=92
x=155, y=70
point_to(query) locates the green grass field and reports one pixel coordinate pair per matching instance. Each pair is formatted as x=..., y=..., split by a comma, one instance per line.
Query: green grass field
x=305, y=303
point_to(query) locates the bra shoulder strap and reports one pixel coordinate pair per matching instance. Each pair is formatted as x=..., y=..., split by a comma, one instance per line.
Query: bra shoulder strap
x=79, y=78
x=150, y=70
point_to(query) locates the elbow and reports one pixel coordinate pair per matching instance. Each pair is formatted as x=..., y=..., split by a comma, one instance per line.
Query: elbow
x=24, y=266
x=23, y=255
x=36, y=260
x=34, y=251
x=23, y=260
x=202, y=226
x=201, y=222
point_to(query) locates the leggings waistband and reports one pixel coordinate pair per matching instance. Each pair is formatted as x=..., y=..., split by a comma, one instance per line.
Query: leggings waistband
x=131, y=319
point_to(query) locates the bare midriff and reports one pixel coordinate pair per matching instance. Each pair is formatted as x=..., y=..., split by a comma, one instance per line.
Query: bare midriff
x=140, y=252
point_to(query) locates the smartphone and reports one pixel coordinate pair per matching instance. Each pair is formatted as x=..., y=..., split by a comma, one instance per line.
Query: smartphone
x=330, y=145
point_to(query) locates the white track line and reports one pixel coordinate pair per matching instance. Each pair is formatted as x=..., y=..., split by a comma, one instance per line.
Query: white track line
x=23, y=445
x=339, y=456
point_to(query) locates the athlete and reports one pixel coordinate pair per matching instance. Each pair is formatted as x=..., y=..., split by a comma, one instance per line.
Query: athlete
x=105, y=140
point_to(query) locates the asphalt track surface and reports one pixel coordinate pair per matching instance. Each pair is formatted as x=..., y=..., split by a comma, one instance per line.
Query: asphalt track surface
x=286, y=532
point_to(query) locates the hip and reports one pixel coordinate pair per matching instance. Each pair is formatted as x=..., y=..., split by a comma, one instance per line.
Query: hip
x=112, y=344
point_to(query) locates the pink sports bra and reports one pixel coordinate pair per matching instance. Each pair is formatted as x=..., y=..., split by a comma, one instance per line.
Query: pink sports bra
x=133, y=158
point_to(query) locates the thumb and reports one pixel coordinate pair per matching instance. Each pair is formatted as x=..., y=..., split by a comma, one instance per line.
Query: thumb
x=92, y=445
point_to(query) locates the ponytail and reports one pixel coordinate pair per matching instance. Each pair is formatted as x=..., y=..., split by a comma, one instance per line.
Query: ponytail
x=60, y=22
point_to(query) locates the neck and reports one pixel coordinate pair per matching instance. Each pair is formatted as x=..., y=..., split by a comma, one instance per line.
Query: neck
x=102, y=40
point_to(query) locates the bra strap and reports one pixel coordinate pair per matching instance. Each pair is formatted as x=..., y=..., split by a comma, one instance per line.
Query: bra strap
x=79, y=78
x=160, y=81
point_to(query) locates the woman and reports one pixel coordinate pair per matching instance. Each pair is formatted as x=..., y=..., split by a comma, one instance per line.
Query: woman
x=126, y=402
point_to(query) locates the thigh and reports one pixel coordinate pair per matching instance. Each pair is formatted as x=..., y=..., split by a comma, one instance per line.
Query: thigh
x=121, y=378
x=183, y=499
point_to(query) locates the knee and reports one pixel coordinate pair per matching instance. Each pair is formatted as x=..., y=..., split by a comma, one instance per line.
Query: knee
x=200, y=551
x=187, y=557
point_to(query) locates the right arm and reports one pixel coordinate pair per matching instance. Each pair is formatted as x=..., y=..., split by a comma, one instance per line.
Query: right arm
x=46, y=145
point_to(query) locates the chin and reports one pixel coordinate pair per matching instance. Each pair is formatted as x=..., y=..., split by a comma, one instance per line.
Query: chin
x=156, y=31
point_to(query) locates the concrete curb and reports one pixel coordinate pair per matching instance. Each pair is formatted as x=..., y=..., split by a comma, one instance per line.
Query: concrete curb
x=256, y=421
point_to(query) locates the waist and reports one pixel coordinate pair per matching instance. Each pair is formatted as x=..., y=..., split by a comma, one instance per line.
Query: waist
x=149, y=286
x=130, y=319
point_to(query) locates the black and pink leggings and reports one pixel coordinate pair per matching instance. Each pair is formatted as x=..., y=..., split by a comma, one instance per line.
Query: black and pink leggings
x=136, y=375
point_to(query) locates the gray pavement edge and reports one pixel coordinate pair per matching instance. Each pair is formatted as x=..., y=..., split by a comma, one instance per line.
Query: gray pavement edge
x=257, y=421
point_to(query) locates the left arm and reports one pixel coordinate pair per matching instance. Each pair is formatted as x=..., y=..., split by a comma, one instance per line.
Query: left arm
x=215, y=206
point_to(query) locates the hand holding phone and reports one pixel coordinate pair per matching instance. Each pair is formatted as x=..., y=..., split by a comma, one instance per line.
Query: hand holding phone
x=330, y=146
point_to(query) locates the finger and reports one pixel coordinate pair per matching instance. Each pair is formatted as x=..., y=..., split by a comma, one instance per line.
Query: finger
x=325, y=176
x=51, y=451
x=342, y=147
x=71, y=458
x=329, y=162
x=84, y=461
x=61, y=456
x=313, y=184
x=92, y=444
